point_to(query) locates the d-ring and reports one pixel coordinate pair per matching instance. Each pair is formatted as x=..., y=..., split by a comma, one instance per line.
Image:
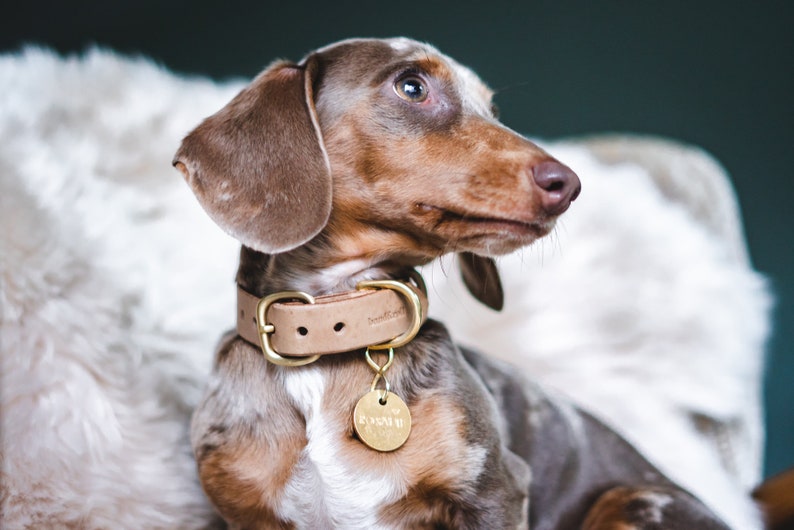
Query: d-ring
x=266, y=329
x=416, y=306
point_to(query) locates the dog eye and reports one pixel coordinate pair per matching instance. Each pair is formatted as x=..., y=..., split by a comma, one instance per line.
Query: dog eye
x=411, y=89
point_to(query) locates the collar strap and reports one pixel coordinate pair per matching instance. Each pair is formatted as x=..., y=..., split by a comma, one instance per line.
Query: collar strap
x=294, y=328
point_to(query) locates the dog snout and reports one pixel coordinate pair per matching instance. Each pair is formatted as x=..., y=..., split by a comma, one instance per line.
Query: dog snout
x=558, y=186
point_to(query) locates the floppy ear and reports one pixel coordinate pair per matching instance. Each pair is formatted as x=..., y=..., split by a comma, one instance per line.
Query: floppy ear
x=482, y=279
x=258, y=166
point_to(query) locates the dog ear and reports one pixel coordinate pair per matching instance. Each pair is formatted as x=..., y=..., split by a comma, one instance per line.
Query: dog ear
x=258, y=166
x=481, y=277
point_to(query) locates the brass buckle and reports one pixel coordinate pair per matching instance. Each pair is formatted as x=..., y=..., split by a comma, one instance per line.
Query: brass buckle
x=266, y=329
x=413, y=298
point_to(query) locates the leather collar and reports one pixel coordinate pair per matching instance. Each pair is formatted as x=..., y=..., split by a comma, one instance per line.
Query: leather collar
x=294, y=328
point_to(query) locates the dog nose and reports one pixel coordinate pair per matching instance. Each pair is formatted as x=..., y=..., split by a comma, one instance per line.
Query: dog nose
x=559, y=186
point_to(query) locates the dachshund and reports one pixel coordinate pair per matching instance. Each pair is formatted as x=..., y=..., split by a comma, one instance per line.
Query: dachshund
x=336, y=403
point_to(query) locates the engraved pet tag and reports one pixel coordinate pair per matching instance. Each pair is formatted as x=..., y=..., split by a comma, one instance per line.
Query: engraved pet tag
x=382, y=427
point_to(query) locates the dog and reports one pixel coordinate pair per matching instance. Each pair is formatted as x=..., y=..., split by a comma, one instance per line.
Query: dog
x=339, y=175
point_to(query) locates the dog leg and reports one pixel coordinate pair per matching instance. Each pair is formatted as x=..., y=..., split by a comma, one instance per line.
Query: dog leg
x=626, y=508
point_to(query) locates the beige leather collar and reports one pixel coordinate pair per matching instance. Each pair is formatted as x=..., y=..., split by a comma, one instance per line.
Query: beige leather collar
x=378, y=315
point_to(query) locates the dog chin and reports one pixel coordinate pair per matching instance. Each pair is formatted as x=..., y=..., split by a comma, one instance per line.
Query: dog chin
x=493, y=245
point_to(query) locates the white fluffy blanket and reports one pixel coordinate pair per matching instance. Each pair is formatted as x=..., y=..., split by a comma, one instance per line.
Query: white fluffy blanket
x=641, y=307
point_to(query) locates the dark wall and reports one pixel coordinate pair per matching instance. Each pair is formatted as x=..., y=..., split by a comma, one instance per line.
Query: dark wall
x=718, y=74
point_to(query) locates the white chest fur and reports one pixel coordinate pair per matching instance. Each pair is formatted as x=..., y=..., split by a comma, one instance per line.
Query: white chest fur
x=326, y=489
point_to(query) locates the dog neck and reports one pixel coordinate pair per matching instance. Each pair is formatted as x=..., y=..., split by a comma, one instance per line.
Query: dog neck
x=261, y=274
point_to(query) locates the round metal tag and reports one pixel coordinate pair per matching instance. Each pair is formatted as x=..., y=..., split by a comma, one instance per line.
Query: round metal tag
x=383, y=427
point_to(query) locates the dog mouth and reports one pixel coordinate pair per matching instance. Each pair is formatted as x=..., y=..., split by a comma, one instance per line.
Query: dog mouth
x=473, y=226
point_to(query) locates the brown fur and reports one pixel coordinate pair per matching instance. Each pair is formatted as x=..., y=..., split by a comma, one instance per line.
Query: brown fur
x=227, y=158
x=625, y=508
x=242, y=476
x=776, y=497
x=344, y=178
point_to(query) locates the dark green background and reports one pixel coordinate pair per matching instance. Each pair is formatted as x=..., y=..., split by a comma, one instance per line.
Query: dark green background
x=717, y=74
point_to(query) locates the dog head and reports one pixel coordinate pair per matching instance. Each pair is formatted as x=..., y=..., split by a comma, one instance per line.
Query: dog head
x=375, y=151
